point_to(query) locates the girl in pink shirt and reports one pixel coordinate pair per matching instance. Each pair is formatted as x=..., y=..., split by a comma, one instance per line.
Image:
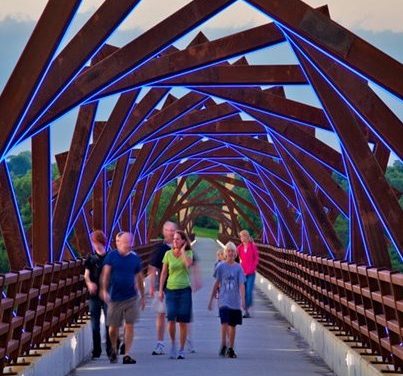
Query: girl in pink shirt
x=249, y=258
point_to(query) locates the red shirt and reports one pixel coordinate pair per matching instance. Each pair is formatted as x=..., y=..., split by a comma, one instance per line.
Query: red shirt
x=249, y=258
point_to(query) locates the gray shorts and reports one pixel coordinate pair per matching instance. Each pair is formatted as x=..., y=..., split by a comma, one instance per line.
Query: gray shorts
x=128, y=310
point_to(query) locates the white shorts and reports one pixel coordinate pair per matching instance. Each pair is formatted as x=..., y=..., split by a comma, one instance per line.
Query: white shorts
x=158, y=306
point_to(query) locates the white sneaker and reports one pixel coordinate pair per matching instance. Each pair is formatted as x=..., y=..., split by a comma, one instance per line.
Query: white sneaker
x=159, y=349
x=172, y=353
x=190, y=346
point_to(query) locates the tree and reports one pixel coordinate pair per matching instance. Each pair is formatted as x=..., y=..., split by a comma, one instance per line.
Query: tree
x=20, y=164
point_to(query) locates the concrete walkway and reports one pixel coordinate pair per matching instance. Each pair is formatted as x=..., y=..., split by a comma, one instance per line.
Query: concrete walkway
x=265, y=345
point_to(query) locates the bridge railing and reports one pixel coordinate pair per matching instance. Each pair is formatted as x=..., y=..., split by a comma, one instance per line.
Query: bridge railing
x=366, y=303
x=38, y=303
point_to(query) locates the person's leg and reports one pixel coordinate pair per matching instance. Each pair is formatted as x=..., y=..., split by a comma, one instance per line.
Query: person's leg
x=95, y=312
x=128, y=337
x=160, y=323
x=224, y=335
x=182, y=335
x=108, y=340
x=249, y=284
x=113, y=335
x=231, y=335
x=172, y=330
x=172, y=335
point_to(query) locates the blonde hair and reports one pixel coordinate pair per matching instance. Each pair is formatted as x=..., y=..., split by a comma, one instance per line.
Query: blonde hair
x=220, y=254
x=246, y=233
x=230, y=246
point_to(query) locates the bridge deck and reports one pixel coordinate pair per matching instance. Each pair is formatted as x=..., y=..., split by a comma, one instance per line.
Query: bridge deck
x=264, y=344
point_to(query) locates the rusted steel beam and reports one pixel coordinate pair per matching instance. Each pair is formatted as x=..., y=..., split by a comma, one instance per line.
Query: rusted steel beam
x=99, y=197
x=321, y=176
x=197, y=56
x=126, y=216
x=240, y=75
x=153, y=230
x=10, y=224
x=363, y=161
x=132, y=177
x=71, y=177
x=382, y=154
x=139, y=192
x=115, y=191
x=357, y=251
x=174, y=112
x=232, y=203
x=137, y=116
x=101, y=150
x=100, y=192
x=230, y=126
x=300, y=138
x=41, y=199
x=287, y=216
x=75, y=55
x=336, y=40
x=141, y=205
x=31, y=67
x=372, y=231
x=383, y=123
x=133, y=54
x=305, y=189
x=81, y=236
x=193, y=118
x=267, y=101
x=237, y=198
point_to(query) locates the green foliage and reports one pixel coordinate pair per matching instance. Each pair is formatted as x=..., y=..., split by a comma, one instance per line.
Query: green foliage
x=341, y=181
x=20, y=164
x=394, y=176
x=342, y=230
x=205, y=232
x=4, y=264
x=397, y=264
x=252, y=215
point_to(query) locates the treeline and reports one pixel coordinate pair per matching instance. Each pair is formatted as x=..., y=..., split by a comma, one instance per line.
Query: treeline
x=20, y=167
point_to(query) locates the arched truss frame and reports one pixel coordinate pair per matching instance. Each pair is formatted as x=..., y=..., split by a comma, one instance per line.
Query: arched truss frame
x=113, y=168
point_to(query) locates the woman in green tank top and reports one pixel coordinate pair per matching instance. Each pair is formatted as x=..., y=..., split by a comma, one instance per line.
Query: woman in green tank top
x=176, y=264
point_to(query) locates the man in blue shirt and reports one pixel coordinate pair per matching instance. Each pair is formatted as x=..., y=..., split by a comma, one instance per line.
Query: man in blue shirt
x=123, y=291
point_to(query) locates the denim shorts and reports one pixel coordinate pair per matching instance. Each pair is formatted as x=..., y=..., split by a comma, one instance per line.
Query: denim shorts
x=179, y=304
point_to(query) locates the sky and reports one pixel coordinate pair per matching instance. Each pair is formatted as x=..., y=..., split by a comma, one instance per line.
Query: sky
x=378, y=22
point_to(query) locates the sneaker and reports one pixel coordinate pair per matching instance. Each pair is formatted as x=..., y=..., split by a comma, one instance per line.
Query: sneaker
x=246, y=315
x=223, y=351
x=231, y=353
x=127, y=359
x=172, y=353
x=122, y=350
x=190, y=347
x=181, y=355
x=159, y=349
x=113, y=358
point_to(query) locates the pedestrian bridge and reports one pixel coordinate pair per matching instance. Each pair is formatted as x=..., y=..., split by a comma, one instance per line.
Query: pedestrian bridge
x=309, y=335
x=264, y=344
x=175, y=124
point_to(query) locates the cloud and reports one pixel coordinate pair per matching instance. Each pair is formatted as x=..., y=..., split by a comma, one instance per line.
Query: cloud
x=373, y=15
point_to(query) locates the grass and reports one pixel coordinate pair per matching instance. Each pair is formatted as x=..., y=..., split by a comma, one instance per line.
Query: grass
x=206, y=232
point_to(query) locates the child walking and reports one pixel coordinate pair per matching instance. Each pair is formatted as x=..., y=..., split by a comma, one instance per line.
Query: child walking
x=230, y=281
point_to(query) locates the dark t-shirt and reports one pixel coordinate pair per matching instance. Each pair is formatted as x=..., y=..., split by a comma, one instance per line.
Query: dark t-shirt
x=94, y=264
x=159, y=254
x=124, y=268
